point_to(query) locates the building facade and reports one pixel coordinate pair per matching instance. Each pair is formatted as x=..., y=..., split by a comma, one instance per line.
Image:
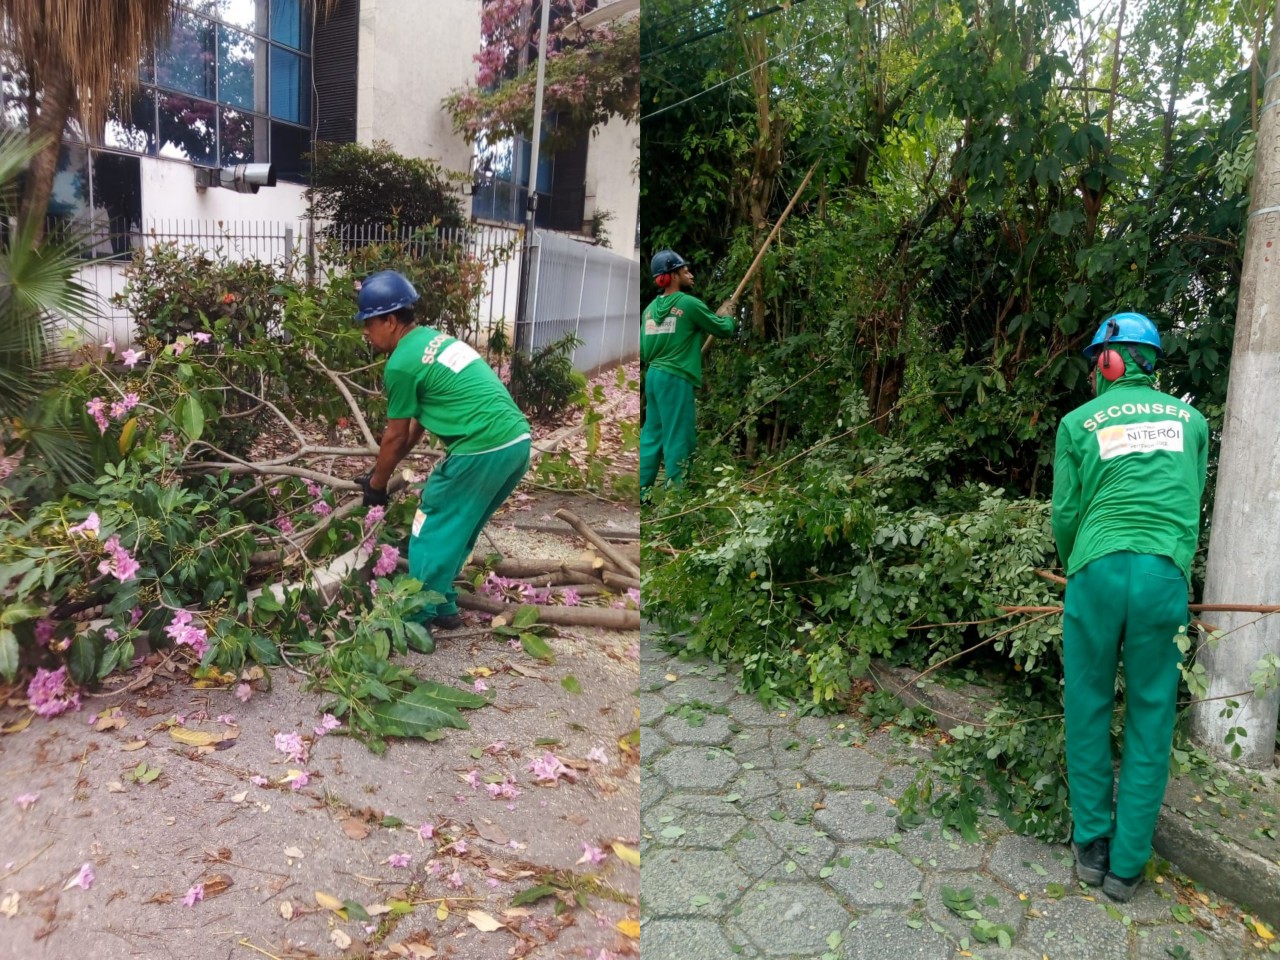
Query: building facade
x=257, y=81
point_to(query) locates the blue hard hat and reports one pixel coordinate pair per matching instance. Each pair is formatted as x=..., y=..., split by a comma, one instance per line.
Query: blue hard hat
x=1125, y=328
x=384, y=292
x=666, y=261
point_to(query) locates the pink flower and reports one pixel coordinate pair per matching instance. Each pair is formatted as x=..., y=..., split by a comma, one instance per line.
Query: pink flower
x=84, y=879
x=597, y=755
x=493, y=882
x=182, y=632
x=194, y=895
x=479, y=686
x=473, y=779
x=549, y=769
x=131, y=357
x=109, y=346
x=435, y=868
x=119, y=562
x=44, y=631
x=633, y=594
x=426, y=831
x=454, y=880
x=283, y=523
x=292, y=746
x=90, y=525
x=459, y=847
x=258, y=781
x=201, y=337
x=178, y=347
x=243, y=692
x=48, y=693
x=95, y=409
x=374, y=517
x=399, y=860
x=321, y=508
x=570, y=597
x=386, y=564
x=591, y=854
x=314, y=488
x=505, y=790
x=299, y=780
x=123, y=406
x=24, y=800
x=327, y=723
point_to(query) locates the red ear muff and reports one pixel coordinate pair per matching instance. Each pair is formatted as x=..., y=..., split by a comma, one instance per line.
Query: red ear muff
x=663, y=280
x=1111, y=365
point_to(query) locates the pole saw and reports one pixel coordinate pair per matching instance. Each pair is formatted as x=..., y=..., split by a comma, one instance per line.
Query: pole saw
x=731, y=305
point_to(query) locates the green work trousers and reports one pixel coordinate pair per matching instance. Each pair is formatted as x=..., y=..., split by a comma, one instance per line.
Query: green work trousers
x=670, y=433
x=1132, y=602
x=461, y=494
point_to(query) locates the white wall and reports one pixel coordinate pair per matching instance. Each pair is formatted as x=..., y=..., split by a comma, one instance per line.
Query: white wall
x=612, y=183
x=412, y=54
x=169, y=192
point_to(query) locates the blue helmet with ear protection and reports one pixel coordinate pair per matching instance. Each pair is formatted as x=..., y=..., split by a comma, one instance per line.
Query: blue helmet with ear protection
x=1126, y=327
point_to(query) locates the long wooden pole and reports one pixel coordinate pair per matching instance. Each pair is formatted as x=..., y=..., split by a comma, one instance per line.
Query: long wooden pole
x=730, y=305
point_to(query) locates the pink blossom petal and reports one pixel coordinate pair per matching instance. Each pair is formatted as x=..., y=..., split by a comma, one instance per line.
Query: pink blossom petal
x=194, y=895
x=24, y=800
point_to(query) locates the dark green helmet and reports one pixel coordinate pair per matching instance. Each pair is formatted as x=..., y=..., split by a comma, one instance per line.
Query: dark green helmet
x=666, y=261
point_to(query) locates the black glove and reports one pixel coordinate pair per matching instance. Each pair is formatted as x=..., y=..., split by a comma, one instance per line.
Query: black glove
x=373, y=496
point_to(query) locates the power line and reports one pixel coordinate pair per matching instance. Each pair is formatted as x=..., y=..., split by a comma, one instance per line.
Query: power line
x=662, y=110
x=712, y=31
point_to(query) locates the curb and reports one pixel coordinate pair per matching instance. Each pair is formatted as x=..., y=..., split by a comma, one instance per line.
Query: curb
x=1214, y=853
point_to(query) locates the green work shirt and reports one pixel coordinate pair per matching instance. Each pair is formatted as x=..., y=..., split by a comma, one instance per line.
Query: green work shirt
x=672, y=330
x=1129, y=475
x=447, y=387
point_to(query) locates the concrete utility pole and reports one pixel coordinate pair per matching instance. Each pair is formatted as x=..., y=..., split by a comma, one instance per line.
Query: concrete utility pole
x=1244, y=548
x=524, y=323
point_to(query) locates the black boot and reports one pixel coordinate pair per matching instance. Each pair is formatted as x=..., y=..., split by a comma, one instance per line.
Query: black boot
x=1093, y=860
x=1121, y=888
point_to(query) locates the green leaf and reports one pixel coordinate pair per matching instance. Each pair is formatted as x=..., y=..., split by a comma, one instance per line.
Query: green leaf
x=699, y=900
x=547, y=742
x=17, y=612
x=452, y=696
x=190, y=417
x=571, y=684
x=536, y=647
x=672, y=833
x=82, y=659
x=390, y=822
x=526, y=616
x=263, y=650
x=417, y=714
x=311, y=647
x=8, y=654
x=356, y=911
x=532, y=895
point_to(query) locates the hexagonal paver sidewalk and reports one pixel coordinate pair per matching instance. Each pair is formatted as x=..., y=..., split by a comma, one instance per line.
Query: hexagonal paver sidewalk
x=770, y=835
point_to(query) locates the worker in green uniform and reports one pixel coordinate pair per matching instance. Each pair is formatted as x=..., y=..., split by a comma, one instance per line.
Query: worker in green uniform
x=672, y=330
x=438, y=383
x=1129, y=474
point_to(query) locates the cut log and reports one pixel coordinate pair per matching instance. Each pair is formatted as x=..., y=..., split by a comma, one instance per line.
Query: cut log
x=600, y=543
x=607, y=617
x=621, y=582
x=523, y=569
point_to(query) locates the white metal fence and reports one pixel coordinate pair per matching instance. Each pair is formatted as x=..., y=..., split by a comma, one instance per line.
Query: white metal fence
x=590, y=291
x=574, y=287
x=296, y=248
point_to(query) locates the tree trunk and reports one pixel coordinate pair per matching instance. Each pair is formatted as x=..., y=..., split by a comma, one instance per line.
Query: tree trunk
x=1244, y=552
x=49, y=122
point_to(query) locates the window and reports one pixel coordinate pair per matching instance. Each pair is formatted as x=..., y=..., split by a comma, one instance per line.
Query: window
x=503, y=177
x=233, y=82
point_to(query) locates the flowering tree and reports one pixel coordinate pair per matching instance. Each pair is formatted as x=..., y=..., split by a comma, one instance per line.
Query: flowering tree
x=588, y=79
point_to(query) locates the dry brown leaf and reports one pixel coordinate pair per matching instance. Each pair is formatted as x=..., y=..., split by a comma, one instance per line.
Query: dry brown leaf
x=328, y=901
x=529, y=672
x=164, y=896
x=218, y=883
x=498, y=621
x=115, y=786
x=515, y=912
x=442, y=912
x=629, y=928
x=491, y=832
x=377, y=909
x=627, y=854
x=194, y=738
x=482, y=921
x=293, y=853
x=18, y=725
x=133, y=745
x=286, y=909
x=110, y=720
x=239, y=797
x=479, y=672
x=421, y=951
x=9, y=905
x=355, y=829
x=339, y=939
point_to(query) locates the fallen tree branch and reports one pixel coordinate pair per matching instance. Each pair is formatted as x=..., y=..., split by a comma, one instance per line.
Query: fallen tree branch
x=618, y=580
x=523, y=569
x=609, y=618
x=604, y=546
x=351, y=401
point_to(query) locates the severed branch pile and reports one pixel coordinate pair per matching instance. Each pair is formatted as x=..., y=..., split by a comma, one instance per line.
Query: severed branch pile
x=615, y=569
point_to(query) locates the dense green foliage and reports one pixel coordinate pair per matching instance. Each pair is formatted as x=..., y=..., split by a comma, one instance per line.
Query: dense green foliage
x=354, y=185
x=875, y=459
